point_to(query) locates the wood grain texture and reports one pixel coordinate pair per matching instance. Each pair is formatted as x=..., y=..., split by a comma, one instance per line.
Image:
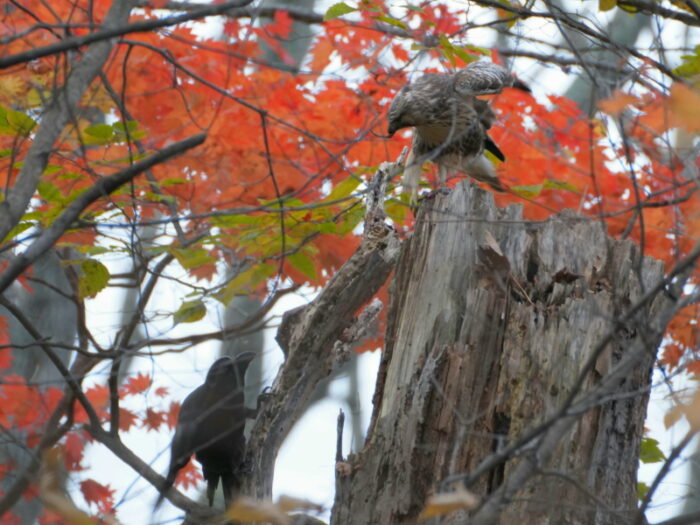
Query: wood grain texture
x=491, y=321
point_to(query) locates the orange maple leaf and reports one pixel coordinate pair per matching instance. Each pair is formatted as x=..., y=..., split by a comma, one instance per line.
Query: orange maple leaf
x=685, y=107
x=617, y=103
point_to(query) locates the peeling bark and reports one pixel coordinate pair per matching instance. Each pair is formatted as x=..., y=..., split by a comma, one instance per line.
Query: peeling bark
x=316, y=337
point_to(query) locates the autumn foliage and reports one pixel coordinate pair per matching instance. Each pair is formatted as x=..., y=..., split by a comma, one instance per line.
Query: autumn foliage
x=276, y=188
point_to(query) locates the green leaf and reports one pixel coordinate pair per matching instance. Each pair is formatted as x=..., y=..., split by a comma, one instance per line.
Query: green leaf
x=690, y=66
x=336, y=10
x=49, y=192
x=192, y=257
x=71, y=175
x=606, y=5
x=391, y=21
x=91, y=250
x=173, y=181
x=22, y=226
x=94, y=278
x=530, y=191
x=190, y=312
x=343, y=189
x=302, y=262
x=52, y=168
x=19, y=122
x=461, y=53
x=231, y=221
x=649, y=451
x=159, y=197
x=246, y=281
x=349, y=220
x=552, y=184
x=642, y=489
x=100, y=131
x=396, y=210
x=123, y=127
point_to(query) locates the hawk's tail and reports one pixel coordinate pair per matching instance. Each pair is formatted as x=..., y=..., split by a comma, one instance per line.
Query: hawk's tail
x=481, y=169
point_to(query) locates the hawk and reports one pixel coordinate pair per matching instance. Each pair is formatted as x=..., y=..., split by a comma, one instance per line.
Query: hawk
x=450, y=123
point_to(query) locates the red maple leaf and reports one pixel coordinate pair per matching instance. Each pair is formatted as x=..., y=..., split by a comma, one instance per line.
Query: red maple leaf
x=189, y=476
x=137, y=384
x=694, y=367
x=172, y=414
x=127, y=419
x=154, y=419
x=73, y=451
x=101, y=495
x=161, y=391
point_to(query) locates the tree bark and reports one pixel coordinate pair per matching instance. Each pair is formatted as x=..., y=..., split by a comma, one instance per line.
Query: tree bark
x=484, y=376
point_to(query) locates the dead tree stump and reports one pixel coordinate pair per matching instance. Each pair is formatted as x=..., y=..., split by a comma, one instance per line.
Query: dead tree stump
x=511, y=358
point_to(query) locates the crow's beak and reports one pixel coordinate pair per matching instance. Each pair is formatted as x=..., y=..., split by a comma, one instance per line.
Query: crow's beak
x=245, y=357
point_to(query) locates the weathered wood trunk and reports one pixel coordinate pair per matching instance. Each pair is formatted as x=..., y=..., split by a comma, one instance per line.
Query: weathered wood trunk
x=482, y=346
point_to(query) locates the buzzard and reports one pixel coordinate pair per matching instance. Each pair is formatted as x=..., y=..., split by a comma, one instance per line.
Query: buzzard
x=450, y=123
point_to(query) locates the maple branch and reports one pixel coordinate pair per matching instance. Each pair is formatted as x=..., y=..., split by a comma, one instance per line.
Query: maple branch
x=155, y=187
x=49, y=438
x=308, y=16
x=656, y=9
x=101, y=188
x=119, y=27
x=55, y=119
x=311, y=337
x=239, y=100
x=40, y=341
x=566, y=19
x=117, y=447
x=250, y=324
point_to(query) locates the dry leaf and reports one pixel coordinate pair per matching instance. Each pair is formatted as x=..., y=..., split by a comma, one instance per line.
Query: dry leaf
x=343, y=468
x=492, y=242
x=685, y=107
x=289, y=504
x=256, y=511
x=617, y=103
x=446, y=502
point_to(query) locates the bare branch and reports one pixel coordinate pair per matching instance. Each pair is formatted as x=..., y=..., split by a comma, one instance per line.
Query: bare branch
x=118, y=27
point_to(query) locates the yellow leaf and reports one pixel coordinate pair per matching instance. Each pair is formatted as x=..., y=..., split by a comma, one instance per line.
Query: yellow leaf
x=12, y=86
x=447, y=502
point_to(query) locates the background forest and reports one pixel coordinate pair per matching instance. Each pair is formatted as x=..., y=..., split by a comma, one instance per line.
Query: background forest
x=178, y=175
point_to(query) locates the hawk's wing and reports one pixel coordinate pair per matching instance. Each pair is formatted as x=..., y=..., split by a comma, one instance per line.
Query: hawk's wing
x=482, y=78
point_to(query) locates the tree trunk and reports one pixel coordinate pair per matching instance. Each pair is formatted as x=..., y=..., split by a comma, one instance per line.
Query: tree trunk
x=491, y=323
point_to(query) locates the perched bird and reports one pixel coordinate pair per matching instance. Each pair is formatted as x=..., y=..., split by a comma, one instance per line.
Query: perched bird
x=210, y=426
x=450, y=123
